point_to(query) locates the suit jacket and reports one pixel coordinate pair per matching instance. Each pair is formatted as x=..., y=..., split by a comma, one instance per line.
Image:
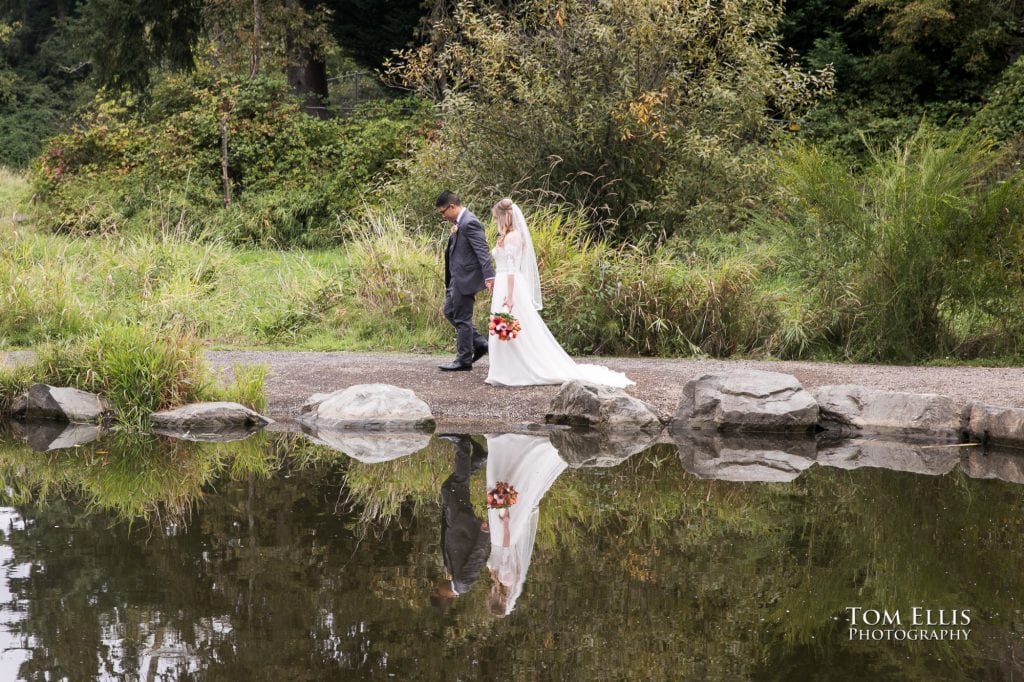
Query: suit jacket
x=467, y=260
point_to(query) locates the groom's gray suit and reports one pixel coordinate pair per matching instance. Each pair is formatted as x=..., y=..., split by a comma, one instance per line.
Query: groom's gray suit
x=467, y=265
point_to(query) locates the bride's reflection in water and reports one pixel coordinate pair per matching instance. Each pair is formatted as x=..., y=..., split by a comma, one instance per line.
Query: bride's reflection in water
x=464, y=536
x=530, y=464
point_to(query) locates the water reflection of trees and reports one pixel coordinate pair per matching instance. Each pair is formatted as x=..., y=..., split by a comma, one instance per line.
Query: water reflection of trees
x=640, y=571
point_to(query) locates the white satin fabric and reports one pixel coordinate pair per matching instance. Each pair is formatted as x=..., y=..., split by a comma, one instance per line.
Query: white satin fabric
x=530, y=464
x=534, y=357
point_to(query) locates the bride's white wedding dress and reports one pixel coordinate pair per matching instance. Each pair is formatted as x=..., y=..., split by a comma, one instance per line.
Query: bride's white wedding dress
x=534, y=356
x=530, y=464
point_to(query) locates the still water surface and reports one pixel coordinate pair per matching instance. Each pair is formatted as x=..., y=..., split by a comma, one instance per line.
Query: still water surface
x=280, y=558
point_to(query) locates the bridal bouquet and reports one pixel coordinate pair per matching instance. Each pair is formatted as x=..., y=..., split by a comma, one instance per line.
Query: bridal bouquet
x=505, y=326
x=501, y=496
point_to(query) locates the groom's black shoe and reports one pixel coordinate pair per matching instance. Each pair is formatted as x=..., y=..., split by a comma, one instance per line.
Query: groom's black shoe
x=479, y=352
x=455, y=367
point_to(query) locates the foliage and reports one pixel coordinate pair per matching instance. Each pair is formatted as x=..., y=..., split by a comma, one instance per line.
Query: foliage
x=38, y=84
x=916, y=257
x=290, y=175
x=897, y=61
x=126, y=39
x=1003, y=113
x=651, y=110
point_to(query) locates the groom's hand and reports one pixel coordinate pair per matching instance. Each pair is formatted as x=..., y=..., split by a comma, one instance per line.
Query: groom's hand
x=489, y=283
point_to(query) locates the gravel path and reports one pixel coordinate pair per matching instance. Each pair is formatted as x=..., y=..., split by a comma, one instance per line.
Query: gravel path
x=462, y=399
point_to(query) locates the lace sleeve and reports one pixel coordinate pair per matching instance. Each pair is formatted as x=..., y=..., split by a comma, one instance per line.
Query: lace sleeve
x=513, y=248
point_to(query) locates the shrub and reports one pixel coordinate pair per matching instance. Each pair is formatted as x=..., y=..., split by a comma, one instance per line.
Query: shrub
x=911, y=258
x=290, y=175
x=624, y=300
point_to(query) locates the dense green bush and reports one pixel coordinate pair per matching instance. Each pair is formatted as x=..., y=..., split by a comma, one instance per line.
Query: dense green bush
x=1003, y=113
x=918, y=256
x=291, y=176
x=623, y=300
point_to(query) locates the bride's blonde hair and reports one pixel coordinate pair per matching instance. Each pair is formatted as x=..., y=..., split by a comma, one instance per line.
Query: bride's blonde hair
x=502, y=212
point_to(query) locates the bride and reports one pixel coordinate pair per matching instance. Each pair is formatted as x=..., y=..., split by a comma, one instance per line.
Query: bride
x=534, y=356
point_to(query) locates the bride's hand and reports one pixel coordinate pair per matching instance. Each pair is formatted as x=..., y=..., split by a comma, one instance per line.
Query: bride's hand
x=507, y=303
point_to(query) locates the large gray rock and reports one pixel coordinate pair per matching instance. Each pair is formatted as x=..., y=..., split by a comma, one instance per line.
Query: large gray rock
x=581, y=403
x=369, y=407
x=996, y=464
x=59, y=403
x=996, y=425
x=601, y=447
x=746, y=400
x=207, y=418
x=731, y=457
x=892, y=455
x=369, y=447
x=856, y=410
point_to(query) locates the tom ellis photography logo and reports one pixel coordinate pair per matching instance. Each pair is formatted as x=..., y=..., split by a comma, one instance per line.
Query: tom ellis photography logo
x=915, y=624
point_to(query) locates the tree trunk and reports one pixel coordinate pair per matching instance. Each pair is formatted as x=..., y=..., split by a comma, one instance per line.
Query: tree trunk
x=225, y=178
x=254, y=55
x=307, y=70
x=307, y=77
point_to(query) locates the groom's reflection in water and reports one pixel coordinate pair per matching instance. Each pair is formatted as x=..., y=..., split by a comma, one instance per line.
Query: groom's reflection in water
x=465, y=537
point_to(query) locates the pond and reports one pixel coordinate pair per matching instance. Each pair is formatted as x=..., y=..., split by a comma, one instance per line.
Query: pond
x=279, y=557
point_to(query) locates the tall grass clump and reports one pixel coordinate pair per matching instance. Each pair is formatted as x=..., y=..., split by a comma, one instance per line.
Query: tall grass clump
x=245, y=388
x=14, y=381
x=37, y=296
x=397, y=281
x=139, y=370
x=916, y=256
x=601, y=298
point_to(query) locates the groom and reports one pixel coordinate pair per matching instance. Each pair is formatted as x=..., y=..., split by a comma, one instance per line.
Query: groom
x=467, y=270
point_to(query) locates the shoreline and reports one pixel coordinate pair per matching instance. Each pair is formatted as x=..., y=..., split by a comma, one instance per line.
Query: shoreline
x=460, y=400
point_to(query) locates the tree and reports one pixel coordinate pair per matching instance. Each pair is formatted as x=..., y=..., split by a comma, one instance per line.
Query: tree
x=126, y=39
x=647, y=109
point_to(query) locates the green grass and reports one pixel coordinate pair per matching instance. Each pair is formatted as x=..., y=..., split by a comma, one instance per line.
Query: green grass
x=831, y=277
x=15, y=193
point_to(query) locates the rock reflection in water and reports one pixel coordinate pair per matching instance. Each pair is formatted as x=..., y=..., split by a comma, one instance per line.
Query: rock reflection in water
x=892, y=455
x=600, y=448
x=776, y=459
x=369, y=446
x=224, y=435
x=1004, y=465
x=47, y=435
